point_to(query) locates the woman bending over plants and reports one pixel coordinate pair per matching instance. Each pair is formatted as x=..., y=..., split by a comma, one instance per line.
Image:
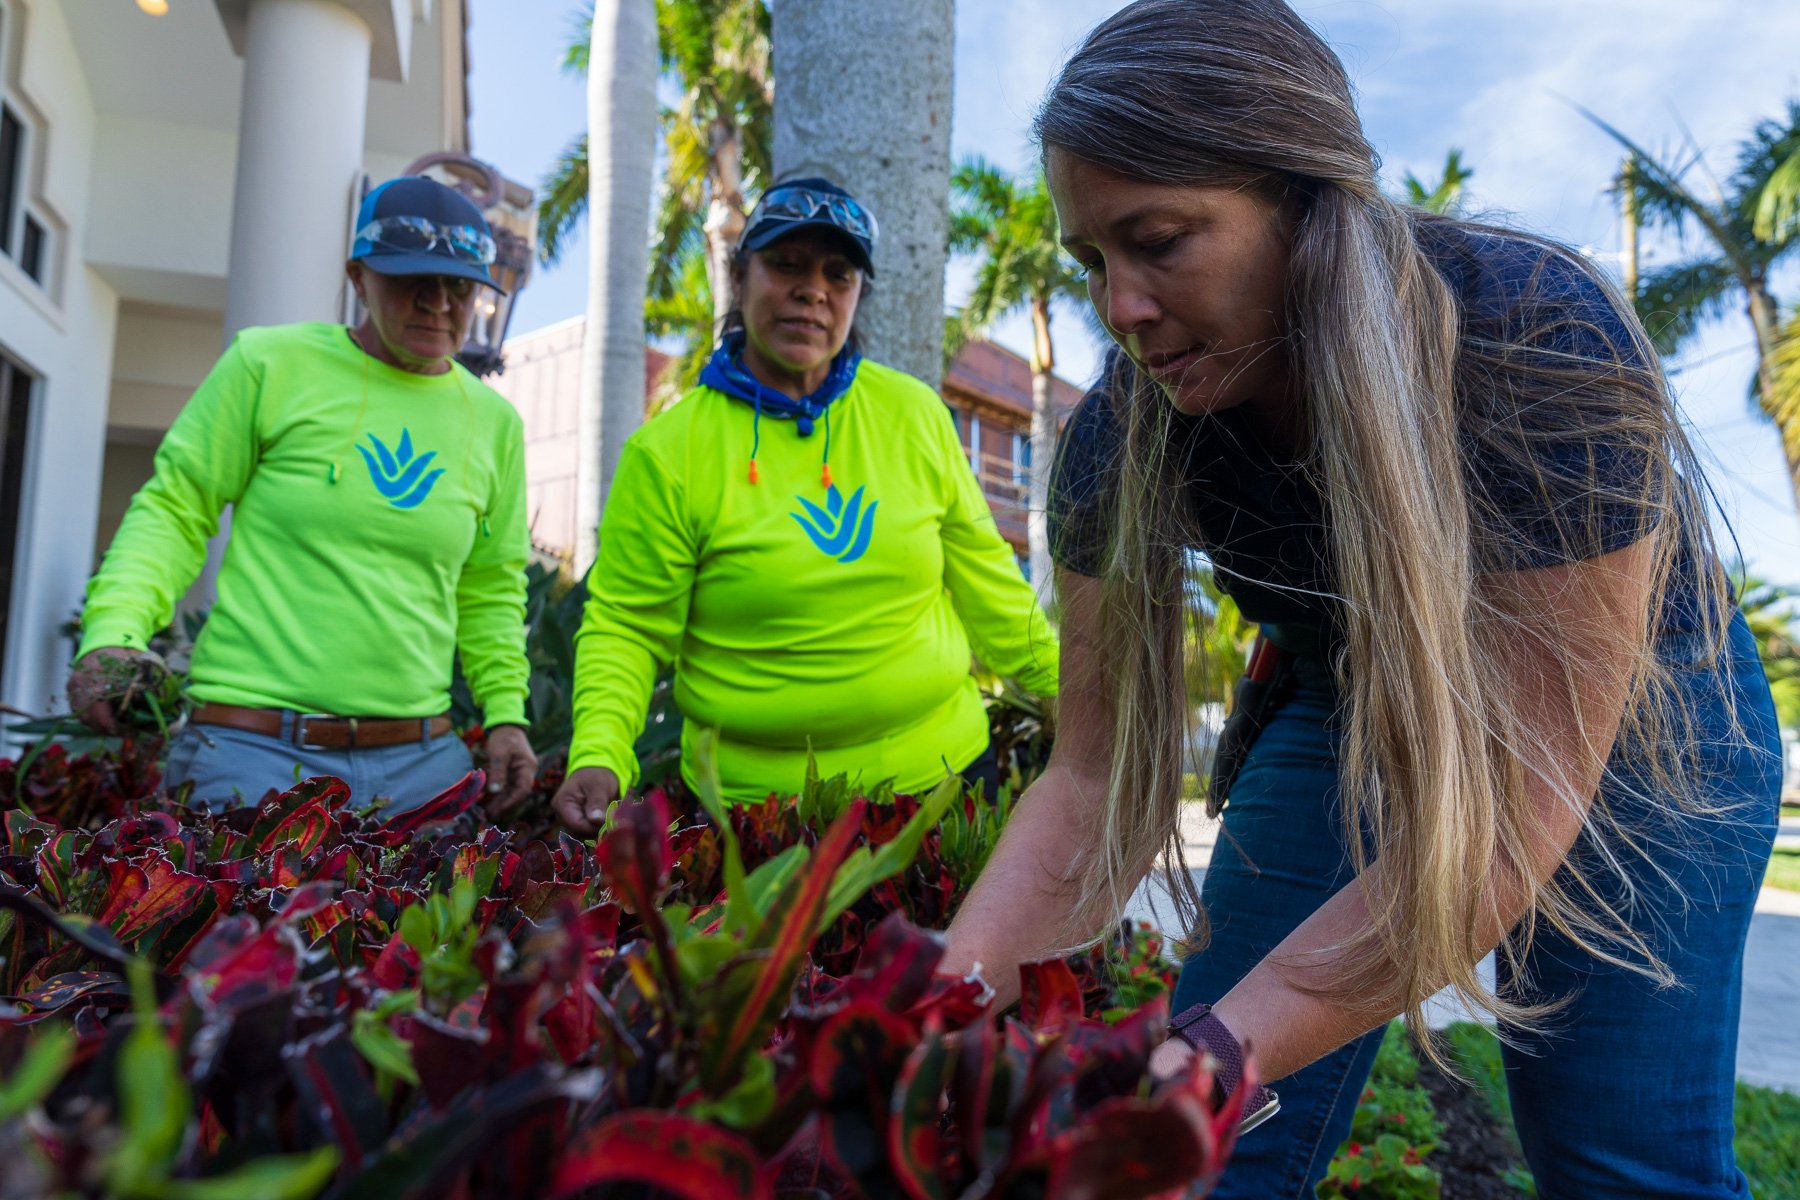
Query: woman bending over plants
x=1506, y=699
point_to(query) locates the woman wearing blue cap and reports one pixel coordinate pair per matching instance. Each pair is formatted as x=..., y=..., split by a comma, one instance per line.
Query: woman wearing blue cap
x=378, y=530
x=802, y=538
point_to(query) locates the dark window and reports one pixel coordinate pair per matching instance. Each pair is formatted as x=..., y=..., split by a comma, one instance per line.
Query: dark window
x=31, y=249
x=15, y=421
x=12, y=173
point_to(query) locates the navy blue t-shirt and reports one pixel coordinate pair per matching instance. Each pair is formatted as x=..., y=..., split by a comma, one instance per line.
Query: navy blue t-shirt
x=1261, y=520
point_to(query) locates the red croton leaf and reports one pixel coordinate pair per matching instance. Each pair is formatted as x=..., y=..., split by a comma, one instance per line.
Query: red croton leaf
x=683, y=1157
x=456, y=800
x=148, y=892
x=25, y=834
x=786, y=935
x=448, y=1058
x=915, y=1138
x=397, y=966
x=634, y=853
x=238, y=965
x=854, y=1059
x=1131, y=1149
x=1049, y=995
x=303, y=830
x=86, y=987
x=275, y=809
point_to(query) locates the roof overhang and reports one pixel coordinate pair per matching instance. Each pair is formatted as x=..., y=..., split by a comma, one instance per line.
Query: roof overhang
x=389, y=21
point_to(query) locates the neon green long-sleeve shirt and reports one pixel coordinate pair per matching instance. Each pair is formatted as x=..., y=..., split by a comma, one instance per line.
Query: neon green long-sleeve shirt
x=795, y=617
x=378, y=527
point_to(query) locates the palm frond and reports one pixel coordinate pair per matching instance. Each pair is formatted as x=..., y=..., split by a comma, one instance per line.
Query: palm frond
x=1763, y=155
x=956, y=336
x=1445, y=196
x=564, y=200
x=581, y=40
x=1777, y=217
x=1661, y=195
x=1672, y=301
x=685, y=311
x=986, y=191
x=1781, y=402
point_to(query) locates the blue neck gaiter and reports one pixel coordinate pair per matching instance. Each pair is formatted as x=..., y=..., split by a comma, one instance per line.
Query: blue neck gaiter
x=725, y=372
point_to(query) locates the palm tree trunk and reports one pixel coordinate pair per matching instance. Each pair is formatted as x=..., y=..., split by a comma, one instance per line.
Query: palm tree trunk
x=1628, y=234
x=724, y=213
x=864, y=97
x=1043, y=450
x=621, y=172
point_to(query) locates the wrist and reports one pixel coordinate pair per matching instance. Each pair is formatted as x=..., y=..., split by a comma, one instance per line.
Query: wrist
x=1201, y=1028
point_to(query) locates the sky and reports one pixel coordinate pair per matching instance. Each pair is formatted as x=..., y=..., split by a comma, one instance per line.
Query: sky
x=1498, y=79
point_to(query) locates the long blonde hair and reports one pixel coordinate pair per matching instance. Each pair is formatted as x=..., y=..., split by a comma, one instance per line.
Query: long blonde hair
x=1397, y=391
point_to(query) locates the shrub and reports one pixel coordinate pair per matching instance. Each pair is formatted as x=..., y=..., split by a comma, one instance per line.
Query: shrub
x=294, y=997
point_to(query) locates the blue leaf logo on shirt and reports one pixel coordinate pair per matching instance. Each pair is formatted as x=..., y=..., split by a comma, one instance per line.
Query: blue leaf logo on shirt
x=842, y=528
x=398, y=475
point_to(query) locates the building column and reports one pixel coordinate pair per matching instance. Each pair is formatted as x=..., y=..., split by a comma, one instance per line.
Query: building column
x=299, y=170
x=300, y=153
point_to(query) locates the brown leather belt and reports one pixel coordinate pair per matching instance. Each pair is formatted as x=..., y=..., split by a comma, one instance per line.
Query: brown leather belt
x=321, y=731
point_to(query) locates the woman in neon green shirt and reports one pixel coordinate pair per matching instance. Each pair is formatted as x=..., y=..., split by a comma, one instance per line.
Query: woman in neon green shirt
x=802, y=538
x=379, y=528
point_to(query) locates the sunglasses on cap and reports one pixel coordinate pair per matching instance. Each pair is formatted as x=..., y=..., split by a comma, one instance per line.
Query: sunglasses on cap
x=805, y=204
x=416, y=235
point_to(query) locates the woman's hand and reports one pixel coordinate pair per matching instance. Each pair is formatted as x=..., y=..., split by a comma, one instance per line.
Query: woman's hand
x=581, y=802
x=1170, y=1059
x=103, y=674
x=511, y=766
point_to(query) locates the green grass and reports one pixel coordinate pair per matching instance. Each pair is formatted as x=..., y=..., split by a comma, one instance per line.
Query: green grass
x=1784, y=870
x=1768, y=1121
x=1768, y=1141
x=1476, y=1052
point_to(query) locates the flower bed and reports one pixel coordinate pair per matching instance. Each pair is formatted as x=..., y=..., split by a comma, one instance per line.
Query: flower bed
x=293, y=1000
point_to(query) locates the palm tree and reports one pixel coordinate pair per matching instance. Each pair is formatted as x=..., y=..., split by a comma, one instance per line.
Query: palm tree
x=715, y=140
x=715, y=137
x=622, y=132
x=1009, y=224
x=865, y=99
x=685, y=313
x=1740, y=253
x=1446, y=195
x=1774, y=619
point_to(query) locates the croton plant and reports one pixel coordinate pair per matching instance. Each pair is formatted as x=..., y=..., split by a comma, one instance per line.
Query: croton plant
x=293, y=1000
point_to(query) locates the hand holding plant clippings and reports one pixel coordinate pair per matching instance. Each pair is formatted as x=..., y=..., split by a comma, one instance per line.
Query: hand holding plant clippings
x=116, y=690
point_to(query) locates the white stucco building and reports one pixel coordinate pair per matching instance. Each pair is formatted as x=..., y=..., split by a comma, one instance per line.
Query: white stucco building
x=166, y=180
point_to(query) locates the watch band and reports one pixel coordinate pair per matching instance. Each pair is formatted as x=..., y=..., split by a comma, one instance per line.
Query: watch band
x=1199, y=1028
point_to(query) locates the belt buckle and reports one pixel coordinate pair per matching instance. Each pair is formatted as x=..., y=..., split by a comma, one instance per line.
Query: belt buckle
x=299, y=736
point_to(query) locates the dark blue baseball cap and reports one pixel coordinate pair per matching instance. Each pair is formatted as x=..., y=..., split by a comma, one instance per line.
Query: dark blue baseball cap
x=416, y=226
x=812, y=203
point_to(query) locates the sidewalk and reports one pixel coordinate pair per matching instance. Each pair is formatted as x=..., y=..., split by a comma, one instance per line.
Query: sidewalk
x=1768, y=1027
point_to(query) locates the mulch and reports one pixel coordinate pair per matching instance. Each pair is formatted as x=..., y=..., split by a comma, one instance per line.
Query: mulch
x=1475, y=1150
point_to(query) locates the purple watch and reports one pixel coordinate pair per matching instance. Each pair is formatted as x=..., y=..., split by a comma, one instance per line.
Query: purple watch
x=1199, y=1028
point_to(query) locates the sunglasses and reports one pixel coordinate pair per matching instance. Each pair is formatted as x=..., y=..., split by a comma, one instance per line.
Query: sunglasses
x=804, y=204
x=416, y=235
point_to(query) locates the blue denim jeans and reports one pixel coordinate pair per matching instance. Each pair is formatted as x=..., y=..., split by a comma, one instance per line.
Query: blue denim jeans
x=235, y=766
x=1628, y=1091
